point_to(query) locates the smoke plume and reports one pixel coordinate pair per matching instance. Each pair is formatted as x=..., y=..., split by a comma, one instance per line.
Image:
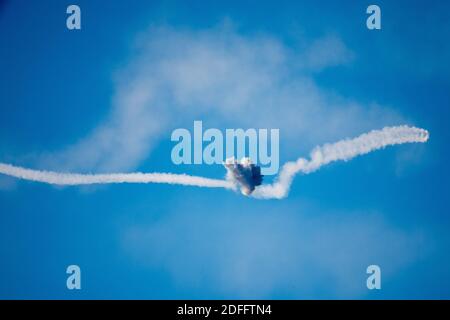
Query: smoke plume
x=342, y=150
x=71, y=179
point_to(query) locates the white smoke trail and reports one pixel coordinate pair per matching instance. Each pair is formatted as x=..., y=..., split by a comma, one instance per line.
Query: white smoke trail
x=342, y=150
x=71, y=179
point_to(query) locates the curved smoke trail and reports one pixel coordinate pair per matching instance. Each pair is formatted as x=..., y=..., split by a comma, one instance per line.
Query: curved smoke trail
x=342, y=150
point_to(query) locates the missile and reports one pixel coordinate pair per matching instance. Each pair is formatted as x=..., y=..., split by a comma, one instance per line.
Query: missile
x=244, y=173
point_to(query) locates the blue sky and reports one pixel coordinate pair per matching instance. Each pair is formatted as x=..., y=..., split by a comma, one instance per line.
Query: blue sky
x=107, y=97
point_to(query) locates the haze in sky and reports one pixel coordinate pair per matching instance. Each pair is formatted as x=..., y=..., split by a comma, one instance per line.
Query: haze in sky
x=106, y=98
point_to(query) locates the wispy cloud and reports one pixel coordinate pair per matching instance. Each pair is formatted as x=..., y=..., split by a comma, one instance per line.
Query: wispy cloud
x=177, y=75
x=326, y=52
x=266, y=250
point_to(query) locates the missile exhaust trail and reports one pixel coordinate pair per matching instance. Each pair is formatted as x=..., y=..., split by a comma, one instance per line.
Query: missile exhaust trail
x=342, y=150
